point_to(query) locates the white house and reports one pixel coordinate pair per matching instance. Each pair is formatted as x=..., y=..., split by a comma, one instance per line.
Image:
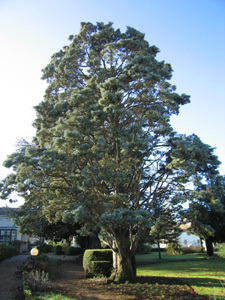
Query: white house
x=188, y=240
x=9, y=232
x=185, y=239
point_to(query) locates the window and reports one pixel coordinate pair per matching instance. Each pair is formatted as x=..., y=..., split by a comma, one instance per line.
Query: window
x=185, y=242
x=7, y=235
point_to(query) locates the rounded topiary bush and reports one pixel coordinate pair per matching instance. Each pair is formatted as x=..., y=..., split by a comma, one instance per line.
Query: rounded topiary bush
x=73, y=251
x=97, y=262
x=100, y=268
x=59, y=250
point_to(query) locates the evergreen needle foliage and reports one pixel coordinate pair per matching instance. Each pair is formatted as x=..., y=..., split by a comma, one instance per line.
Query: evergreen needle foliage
x=104, y=150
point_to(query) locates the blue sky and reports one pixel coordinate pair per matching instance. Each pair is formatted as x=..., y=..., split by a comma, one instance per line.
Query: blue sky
x=190, y=35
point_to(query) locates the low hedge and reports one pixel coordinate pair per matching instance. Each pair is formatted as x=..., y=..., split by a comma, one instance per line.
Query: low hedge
x=97, y=262
x=73, y=251
x=7, y=251
x=191, y=249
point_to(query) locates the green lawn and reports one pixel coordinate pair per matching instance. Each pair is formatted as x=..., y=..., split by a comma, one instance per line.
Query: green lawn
x=205, y=275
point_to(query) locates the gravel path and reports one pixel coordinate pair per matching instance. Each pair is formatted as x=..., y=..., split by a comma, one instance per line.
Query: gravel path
x=9, y=282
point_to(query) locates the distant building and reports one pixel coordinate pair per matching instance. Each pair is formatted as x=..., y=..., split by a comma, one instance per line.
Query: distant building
x=188, y=239
x=185, y=239
x=9, y=232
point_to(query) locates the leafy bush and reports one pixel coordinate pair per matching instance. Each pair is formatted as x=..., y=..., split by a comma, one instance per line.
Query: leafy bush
x=46, y=248
x=59, y=250
x=101, y=268
x=18, y=245
x=173, y=248
x=192, y=249
x=73, y=251
x=36, y=263
x=221, y=251
x=7, y=250
x=97, y=262
x=143, y=249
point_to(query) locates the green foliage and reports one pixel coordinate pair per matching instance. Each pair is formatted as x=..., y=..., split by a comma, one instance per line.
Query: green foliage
x=18, y=244
x=221, y=251
x=97, y=262
x=97, y=254
x=37, y=280
x=99, y=268
x=7, y=251
x=205, y=275
x=36, y=263
x=59, y=250
x=143, y=249
x=173, y=248
x=104, y=146
x=192, y=249
x=46, y=248
x=35, y=275
x=73, y=251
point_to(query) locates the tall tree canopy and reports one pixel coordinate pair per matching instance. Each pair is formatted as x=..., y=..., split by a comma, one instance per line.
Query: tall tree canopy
x=104, y=148
x=206, y=211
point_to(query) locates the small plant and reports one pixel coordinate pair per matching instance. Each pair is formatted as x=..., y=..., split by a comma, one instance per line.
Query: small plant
x=192, y=249
x=37, y=280
x=173, y=248
x=216, y=298
x=221, y=251
x=100, y=279
x=37, y=263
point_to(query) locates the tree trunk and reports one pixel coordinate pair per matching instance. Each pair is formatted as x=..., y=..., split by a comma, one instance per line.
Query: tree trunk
x=124, y=268
x=159, y=250
x=201, y=245
x=209, y=246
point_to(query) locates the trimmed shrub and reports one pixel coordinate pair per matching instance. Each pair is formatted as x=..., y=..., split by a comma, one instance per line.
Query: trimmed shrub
x=73, y=251
x=100, y=268
x=59, y=250
x=97, y=262
x=7, y=251
x=191, y=249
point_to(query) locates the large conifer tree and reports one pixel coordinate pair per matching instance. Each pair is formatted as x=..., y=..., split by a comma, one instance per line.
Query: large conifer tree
x=104, y=149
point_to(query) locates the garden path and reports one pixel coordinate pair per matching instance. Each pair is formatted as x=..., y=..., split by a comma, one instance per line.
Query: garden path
x=10, y=277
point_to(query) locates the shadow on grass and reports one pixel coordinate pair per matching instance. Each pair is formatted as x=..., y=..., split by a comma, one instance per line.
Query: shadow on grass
x=198, y=282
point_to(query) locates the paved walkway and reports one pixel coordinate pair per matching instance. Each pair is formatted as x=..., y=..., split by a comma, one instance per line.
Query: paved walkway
x=9, y=282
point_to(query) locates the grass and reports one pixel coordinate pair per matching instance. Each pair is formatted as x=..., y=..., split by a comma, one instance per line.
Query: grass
x=51, y=296
x=182, y=277
x=204, y=274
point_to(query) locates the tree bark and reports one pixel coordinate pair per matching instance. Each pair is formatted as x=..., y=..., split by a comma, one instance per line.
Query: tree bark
x=124, y=268
x=159, y=250
x=201, y=245
x=209, y=246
